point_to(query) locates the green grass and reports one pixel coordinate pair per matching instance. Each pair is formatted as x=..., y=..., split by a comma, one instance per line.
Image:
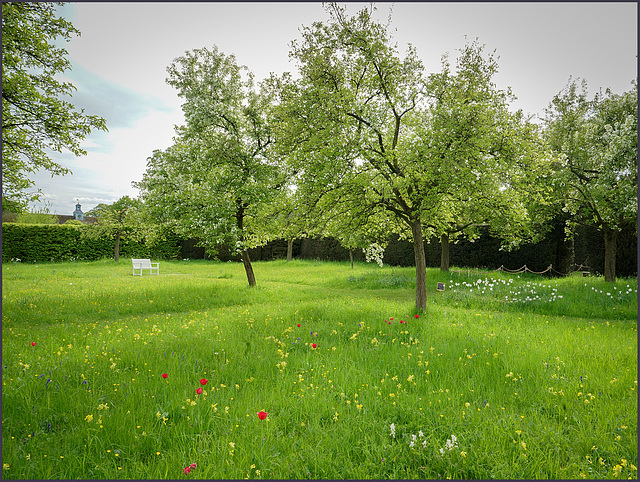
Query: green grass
x=536, y=388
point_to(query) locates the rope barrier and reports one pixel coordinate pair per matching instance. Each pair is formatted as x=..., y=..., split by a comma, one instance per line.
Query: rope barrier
x=524, y=269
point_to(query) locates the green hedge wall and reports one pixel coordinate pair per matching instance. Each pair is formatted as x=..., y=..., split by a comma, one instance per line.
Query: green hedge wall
x=50, y=242
x=32, y=243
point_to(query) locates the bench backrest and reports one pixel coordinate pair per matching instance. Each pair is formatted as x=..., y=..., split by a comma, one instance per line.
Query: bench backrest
x=144, y=263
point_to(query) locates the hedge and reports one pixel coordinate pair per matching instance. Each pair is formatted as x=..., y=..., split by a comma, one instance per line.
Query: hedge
x=38, y=243
x=63, y=242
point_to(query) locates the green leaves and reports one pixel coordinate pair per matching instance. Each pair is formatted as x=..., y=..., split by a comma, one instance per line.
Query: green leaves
x=35, y=116
x=597, y=179
x=213, y=182
x=598, y=140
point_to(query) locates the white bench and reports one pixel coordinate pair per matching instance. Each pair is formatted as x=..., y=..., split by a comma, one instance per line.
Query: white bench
x=140, y=264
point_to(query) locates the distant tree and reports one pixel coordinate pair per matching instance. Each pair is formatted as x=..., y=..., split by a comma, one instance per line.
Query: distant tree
x=123, y=216
x=35, y=116
x=598, y=175
x=285, y=217
x=484, y=162
x=211, y=183
x=41, y=216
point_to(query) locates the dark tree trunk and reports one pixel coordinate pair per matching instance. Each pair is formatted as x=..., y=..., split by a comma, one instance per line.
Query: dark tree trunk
x=116, y=249
x=351, y=257
x=563, y=246
x=251, y=278
x=610, y=237
x=421, y=265
x=565, y=254
x=444, y=254
x=289, y=249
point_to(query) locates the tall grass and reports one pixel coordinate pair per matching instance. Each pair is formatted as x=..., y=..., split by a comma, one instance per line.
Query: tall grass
x=478, y=386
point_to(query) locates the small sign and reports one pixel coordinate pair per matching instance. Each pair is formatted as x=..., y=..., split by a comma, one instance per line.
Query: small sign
x=440, y=287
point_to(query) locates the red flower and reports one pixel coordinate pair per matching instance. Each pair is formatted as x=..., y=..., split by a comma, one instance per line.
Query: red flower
x=389, y=322
x=187, y=470
x=262, y=415
x=33, y=343
x=315, y=345
x=417, y=316
x=298, y=325
x=391, y=319
x=199, y=391
x=164, y=375
x=203, y=381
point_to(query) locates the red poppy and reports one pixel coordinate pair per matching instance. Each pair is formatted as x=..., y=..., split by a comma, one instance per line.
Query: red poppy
x=33, y=343
x=262, y=415
x=298, y=325
x=315, y=345
x=199, y=391
x=417, y=316
x=391, y=319
x=165, y=375
x=203, y=381
x=187, y=470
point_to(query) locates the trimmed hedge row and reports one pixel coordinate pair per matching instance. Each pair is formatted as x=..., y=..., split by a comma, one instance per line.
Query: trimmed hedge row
x=62, y=242
x=38, y=243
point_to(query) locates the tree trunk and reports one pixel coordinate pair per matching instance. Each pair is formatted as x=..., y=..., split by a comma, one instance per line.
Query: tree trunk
x=565, y=255
x=610, y=236
x=116, y=249
x=289, y=249
x=421, y=265
x=351, y=257
x=444, y=254
x=251, y=278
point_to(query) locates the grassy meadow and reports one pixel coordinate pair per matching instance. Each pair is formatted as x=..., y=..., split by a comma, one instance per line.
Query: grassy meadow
x=110, y=376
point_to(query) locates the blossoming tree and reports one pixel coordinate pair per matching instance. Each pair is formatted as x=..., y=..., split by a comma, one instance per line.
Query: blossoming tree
x=596, y=178
x=212, y=181
x=369, y=130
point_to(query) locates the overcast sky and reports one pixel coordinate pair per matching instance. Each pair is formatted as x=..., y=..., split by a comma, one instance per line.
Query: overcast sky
x=120, y=60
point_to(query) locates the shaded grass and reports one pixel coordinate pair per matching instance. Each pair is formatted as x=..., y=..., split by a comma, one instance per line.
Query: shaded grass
x=495, y=378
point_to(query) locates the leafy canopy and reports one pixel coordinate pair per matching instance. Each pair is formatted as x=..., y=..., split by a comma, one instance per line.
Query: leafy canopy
x=36, y=118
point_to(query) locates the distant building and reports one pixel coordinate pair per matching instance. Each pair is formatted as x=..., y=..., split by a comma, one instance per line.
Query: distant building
x=78, y=214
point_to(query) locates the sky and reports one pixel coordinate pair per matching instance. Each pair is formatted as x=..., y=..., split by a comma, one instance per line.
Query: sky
x=120, y=59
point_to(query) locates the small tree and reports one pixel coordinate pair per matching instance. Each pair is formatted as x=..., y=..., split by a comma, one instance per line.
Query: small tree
x=123, y=216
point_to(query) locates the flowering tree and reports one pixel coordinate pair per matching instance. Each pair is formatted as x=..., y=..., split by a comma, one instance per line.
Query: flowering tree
x=485, y=164
x=212, y=181
x=597, y=175
x=373, y=133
